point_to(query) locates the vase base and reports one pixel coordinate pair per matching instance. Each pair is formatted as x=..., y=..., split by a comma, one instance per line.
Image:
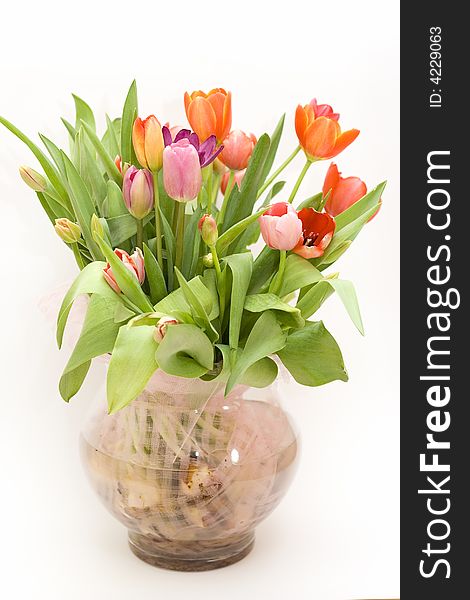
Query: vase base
x=191, y=556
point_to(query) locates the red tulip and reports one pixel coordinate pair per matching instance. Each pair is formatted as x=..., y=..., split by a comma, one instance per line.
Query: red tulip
x=238, y=147
x=134, y=263
x=344, y=191
x=317, y=232
x=319, y=132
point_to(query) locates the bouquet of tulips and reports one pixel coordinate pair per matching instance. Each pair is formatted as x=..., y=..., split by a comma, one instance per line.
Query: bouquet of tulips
x=160, y=220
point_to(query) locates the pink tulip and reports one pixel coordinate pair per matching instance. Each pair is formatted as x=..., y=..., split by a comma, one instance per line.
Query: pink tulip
x=280, y=226
x=137, y=189
x=238, y=147
x=236, y=180
x=344, y=191
x=182, y=177
x=134, y=263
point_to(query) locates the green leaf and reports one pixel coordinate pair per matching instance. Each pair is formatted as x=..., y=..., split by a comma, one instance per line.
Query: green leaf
x=359, y=208
x=185, y=351
x=45, y=163
x=274, y=191
x=70, y=128
x=114, y=205
x=346, y=234
x=129, y=115
x=274, y=144
x=123, y=227
x=110, y=138
x=90, y=172
x=176, y=301
x=155, y=276
x=265, y=338
x=241, y=202
x=132, y=364
x=197, y=308
x=314, y=298
x=231, y=234
x=49, y=210
x=55, y=153
x=82, y=205
x=260, y=374
x=97, y=337
x=83, y=113
x=241, y=266
x=106, y=159
x=312, y=356
x=70, y=384
x=289, y=315
x=127, y=281
x=298, y=274
x=265, y=265
x=89, y=281
x=170, y=246
x=347, y=293
x=312, y=202
x=192, y=244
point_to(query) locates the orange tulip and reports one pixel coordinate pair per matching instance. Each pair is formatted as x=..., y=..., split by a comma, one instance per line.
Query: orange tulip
x=147, y=139
x=209, y=114
x=319, y=132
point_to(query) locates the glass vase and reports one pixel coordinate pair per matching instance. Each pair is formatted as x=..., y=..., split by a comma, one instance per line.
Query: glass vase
x=190, y=472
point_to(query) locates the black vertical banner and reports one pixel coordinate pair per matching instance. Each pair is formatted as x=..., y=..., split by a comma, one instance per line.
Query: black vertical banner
x=435, y=322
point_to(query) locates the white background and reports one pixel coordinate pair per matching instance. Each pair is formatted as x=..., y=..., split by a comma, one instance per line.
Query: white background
x=336, y=534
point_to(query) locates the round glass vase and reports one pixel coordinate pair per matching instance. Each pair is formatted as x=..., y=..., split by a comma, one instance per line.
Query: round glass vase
x=190, y=472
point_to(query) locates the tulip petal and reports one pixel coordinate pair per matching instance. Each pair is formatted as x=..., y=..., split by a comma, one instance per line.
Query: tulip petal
x=331, y=179
x=167, y=140
x=138, y=141
x=320, y=138
x=301, y=123
x=153, y=143
x=343, y=141
x=202, y=117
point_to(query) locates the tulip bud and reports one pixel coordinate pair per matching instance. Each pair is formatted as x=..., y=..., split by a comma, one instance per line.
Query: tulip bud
x=182, y=177
x=162, y=326
x=208, y=260
x=135, y=263
x=33, y=179
x=67, y=231
x=137, y=189
x=96, y=227
x=208, y=228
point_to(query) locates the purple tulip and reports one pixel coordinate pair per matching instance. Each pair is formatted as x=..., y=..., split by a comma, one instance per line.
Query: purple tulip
x=137, y=189
x=182, y=177
x=207, y=151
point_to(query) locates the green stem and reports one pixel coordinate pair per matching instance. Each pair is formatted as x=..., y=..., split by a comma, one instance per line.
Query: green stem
x=158, y=225
x=277, y=279
x=180, y=235
x=77, y=255
x=228, y=191
x=209, y=189
x=299, y=180
x=140, y=233
x=220, y=285
x=215, y=188
x=278, y=171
